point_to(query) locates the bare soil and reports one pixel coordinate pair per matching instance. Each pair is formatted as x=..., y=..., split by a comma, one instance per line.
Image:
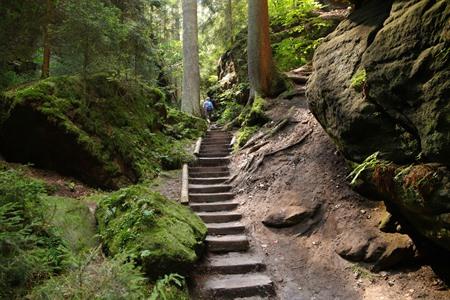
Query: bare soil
x=302, y=259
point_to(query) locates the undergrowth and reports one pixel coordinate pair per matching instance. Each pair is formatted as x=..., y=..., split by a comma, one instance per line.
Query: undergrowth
x=93, y=276
x=31, y=249
x=170, y=287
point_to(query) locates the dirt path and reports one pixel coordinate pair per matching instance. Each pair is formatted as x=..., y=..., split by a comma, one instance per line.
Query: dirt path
x=302, y=259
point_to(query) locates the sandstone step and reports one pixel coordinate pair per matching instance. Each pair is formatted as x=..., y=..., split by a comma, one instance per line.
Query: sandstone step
x=208, y=174
x=232, y=263
x=216, y=139
x=227, y=243
x=225, y=228
x=209, y=188
x=218, y=135
x=210, y=197
x=219, y=216
x=208, y=169
x=212, y=161
x=212, y=180
x=215, y=148
x=213, y=154
x=241, y=285
x=214, y=206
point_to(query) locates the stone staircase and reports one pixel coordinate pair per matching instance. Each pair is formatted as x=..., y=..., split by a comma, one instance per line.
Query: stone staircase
x=231, y=269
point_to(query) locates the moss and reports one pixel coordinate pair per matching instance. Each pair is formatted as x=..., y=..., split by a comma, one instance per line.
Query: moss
x=359, y=79
x=256, y=115
x=73, y=222
x=244, y=134
x=124, y=128
x=161, y=235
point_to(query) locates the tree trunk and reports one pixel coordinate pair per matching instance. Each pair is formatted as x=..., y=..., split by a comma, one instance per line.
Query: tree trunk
x=261, y=70
x=45, y=73
x=229, y=21
x=190, y=102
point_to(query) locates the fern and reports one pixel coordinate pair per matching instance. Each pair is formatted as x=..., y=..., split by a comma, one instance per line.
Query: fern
x=369, y=162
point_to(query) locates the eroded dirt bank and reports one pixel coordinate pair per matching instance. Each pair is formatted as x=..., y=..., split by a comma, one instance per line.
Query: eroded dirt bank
x=311, y=174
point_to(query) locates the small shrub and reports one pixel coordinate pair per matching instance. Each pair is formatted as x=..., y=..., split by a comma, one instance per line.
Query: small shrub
x=95, y=277
x=170, y=287
x=30, y=248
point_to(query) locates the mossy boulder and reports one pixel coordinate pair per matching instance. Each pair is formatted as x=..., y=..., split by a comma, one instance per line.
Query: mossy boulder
x=108, y=132
x=381, y=81
x=159, y=234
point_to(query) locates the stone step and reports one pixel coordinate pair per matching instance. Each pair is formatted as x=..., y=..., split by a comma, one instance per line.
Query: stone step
x=214, y=206
x=208, y=169
x=208, y=174
x=210, y=197
x=239, y=285
x=219, y=216
x=213, y=180
x=213, y=161
x=232, y=263
x=209, y=188
x=213, y=154
x=227, y=243
x=218, y=140
x=207, y=149
x=218, y=136
x=225, y=228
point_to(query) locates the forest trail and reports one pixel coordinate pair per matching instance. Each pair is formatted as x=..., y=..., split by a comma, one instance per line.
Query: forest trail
x=232, y=268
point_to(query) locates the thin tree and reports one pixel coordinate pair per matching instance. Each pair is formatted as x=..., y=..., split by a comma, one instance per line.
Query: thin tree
x=190, y=101
x=45, y=72
x=261, y=71
x=229, y=21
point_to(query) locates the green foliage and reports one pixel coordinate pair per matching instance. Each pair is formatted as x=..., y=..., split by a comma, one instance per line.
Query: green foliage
x=368, y=164
x=95, y=277
x=255, y=116
x=298, y=31
x=359, y=79
x=244, y=134
x=30, y=248
x=231, y=111
x=160, y=235
x=170, y=287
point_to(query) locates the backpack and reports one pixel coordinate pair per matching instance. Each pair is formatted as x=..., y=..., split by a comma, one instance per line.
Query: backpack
x=208, y=106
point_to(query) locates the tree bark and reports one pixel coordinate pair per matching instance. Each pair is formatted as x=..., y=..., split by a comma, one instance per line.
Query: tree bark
x=45, y=72
x=229, y=21
x=260, y=65
x=190, y=102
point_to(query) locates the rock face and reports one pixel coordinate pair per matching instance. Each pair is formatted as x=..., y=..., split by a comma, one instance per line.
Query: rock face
x=381, y=82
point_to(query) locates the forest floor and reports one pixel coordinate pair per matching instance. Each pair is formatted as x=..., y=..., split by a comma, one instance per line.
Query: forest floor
x=302, y=259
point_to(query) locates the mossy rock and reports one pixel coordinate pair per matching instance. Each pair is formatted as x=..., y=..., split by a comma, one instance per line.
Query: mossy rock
x=381, y=82
x=107, y=132
x=159, y=234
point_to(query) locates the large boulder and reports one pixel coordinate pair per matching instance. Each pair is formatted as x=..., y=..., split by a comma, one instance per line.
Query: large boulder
x=381, y=83
x=107, y=132
x=159, y=234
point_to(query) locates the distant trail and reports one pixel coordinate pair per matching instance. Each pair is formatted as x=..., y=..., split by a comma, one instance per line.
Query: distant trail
x=231, y=268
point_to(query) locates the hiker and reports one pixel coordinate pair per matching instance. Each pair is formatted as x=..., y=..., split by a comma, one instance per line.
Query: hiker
x=208, y=108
